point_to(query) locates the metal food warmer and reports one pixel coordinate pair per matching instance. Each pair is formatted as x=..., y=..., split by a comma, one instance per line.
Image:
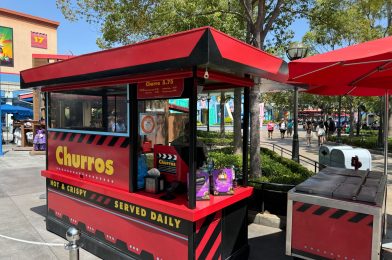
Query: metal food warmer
x=337, y=214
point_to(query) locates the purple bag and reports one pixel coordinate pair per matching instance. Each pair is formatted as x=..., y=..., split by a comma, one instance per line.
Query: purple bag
x=202, y=185
x=222, y=181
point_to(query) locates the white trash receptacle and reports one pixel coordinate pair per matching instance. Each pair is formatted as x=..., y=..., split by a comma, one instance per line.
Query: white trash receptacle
x=325, y=153
x=342, y=158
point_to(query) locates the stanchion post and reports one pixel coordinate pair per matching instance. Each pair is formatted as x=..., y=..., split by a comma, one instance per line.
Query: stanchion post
x=73, y=236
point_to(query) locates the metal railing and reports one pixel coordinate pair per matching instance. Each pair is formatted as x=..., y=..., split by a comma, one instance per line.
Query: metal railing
x=302, y=159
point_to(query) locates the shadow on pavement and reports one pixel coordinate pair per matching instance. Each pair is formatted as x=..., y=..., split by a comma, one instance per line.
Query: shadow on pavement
x=40, y=210
x=270, y=246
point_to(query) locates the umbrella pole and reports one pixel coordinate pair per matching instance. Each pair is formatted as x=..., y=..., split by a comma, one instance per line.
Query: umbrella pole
x=386, y=112
x=339, y=120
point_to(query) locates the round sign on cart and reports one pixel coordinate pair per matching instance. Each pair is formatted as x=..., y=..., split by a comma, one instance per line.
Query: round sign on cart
x=147, y=124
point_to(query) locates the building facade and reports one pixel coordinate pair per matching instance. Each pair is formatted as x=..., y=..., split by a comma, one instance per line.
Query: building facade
x=26, y=41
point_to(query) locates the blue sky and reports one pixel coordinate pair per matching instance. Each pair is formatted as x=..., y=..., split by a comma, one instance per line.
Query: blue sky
x=79, y=37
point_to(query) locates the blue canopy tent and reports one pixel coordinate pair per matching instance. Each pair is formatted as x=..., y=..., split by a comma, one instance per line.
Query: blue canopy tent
x=18, y=111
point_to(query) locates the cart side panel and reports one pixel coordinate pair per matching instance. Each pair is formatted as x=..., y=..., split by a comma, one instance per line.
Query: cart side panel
x=208, y=237
x=134, y=230
x=234, y=225
x=95, y=158
x=331, y=233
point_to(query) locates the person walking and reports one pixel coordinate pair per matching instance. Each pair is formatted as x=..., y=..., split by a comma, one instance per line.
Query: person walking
x=270, y=129
x=326, y=127
x=331, y=127
x=308, y=135
x=290, y=128
x=282, y=128
x=320, y=130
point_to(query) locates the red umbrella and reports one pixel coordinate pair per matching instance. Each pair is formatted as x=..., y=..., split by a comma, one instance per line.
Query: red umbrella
x=367, y=65
x=360, y=70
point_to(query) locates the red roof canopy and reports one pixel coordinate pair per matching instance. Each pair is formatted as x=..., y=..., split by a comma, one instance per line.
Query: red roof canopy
x=202, y=47
x=364, y=70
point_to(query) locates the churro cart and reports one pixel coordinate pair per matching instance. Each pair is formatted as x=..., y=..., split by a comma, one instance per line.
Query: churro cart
x=109, y=112
x=337, y=214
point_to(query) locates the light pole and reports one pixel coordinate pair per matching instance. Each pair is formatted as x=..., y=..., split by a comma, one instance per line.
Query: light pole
x=294, y=52
x=208, y=111
x=339, y=140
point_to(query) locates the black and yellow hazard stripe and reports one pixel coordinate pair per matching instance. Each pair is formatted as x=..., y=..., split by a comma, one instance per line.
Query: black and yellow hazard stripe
x=91, y=139
x=332, y=213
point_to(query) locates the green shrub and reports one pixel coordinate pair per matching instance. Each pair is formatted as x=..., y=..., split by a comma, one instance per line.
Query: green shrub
x=225, y=150
x=282, y=171
x=222, y=160
x=214, y=134
x=290, y=164
x=367, y=142
x=275, y=169
x=216, y=141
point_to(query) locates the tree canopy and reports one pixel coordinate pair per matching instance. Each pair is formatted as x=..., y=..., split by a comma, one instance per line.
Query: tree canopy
x=340, y=23
x=127, y=21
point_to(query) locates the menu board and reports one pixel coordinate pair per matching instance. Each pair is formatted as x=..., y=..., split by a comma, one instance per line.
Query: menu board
x=164, y=88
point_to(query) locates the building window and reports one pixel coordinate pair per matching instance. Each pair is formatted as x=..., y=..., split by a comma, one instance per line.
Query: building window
x=101, y=109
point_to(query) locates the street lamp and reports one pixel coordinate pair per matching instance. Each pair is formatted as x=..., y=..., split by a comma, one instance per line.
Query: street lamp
x=297, y=51
x=294, y=52
x=207, y=98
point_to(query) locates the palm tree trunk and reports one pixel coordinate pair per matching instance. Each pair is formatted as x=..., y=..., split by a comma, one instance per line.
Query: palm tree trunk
x=254, y=100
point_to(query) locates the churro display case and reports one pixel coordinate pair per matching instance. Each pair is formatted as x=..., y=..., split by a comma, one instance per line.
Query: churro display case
x=111, y=130
x=337, y=214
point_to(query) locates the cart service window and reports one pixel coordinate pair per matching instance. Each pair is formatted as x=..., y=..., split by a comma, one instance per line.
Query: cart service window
x=102, y=109
x=164, y=145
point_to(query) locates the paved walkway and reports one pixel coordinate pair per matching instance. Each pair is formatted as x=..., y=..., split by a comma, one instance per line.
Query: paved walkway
x=23, y=209
x=313, y=151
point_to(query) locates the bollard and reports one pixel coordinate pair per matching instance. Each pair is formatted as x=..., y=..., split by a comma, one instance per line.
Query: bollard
x=73, y=236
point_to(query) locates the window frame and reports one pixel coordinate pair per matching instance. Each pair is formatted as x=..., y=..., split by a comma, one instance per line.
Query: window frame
x=107, y=133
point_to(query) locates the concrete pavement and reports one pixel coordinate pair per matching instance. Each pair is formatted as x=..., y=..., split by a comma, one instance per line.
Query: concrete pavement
x=23, y=209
